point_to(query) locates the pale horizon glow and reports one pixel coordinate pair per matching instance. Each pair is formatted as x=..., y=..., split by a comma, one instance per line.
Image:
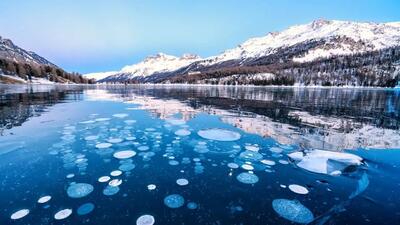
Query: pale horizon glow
x=97, y=36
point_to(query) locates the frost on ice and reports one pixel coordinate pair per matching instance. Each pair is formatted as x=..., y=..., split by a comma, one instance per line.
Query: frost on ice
x=292, y=210
x=174, y=201
x=79, y=190
x=218, y=134
x=325, y=162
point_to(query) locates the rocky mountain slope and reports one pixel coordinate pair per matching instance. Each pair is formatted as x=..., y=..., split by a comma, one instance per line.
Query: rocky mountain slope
x=18, y=65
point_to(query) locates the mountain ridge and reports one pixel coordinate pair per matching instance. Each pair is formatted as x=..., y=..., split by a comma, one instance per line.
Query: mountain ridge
x=299, y=44
x=18, y=65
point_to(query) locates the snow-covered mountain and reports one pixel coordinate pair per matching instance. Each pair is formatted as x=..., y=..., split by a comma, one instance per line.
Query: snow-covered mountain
x=151, y=66
x=18, y=65
x=10, y=51
x=99, y=75
x=301, y=47
x=340, y=38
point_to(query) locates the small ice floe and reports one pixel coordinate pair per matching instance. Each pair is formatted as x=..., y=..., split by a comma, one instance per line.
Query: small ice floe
x=292, y=210
x=182, y=132
x=91, y=138
x=85, y=209
x=116, y=173
x=79, y=190
x=87, y=122
x=19, y=214
x=44, y=199
x=104, y=179
x=192, y=205
x=218, y=134
x=145, y=220
x=103, y=145
x=124, y=154
x=114, y=140
x=182, y=182
x=268, y=162
x=151, y=187
x=110, y=190
x=120, y=115
x=233, y=165
x=102, y=119
x=298, y=189
x=62, y=214
x=325, y=162
x=174, y=201
x=247, y=178
x=115, y=182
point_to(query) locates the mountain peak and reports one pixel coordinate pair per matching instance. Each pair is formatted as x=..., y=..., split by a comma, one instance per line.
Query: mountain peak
x=318, y=23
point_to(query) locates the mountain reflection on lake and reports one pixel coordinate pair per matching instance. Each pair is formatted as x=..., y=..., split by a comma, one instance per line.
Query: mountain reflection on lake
x=198, y=155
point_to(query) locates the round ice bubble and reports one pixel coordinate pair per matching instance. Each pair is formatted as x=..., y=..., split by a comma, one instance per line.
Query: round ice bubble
x=292, y=210
x=79, y=190
x=62, y=214
x=85, y=209
x=218, y=134
x=247, y=178
x=145, y=220
x=174, y=201
x=19, y=214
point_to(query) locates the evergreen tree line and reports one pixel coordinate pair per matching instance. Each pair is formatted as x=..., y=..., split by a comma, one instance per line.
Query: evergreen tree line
x=27, y=71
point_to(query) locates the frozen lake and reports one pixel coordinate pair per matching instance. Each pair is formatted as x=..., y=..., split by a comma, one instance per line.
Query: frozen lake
x=198, y=155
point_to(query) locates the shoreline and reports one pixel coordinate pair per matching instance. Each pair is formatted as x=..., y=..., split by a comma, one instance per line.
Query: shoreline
x=208, y=85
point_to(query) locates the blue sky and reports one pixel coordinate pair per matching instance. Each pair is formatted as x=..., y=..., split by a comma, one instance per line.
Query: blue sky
x=96, y=35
